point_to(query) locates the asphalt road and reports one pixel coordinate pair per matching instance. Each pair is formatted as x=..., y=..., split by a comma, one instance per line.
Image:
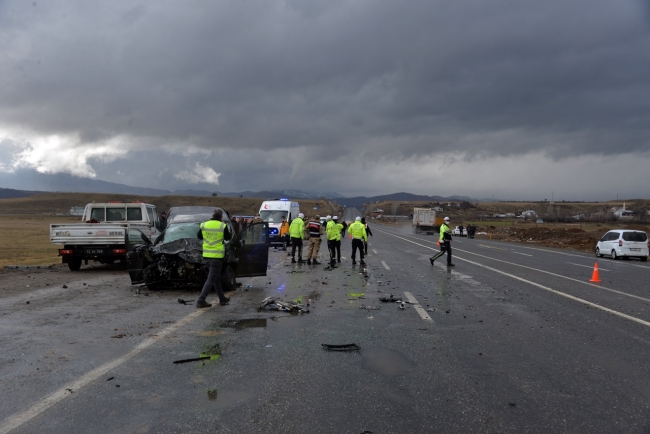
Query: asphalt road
x=513, y=339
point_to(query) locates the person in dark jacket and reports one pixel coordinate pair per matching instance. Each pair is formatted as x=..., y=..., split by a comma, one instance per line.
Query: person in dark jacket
x=368, y=232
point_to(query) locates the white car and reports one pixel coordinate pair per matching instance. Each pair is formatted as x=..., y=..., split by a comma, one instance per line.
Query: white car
x=456, y=231
x=623, y=243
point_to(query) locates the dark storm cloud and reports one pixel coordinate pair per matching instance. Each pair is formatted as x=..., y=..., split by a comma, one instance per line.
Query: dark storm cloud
x=378, y=78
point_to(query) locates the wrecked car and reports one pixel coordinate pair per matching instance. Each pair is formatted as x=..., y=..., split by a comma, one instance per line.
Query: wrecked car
x=175, y=258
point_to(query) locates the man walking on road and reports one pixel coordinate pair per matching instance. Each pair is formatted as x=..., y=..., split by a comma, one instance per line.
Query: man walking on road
x=445, y=243
x=297, y=233
x=358, y=232
x=213, y=233
x=368, y=234
x=315, y=231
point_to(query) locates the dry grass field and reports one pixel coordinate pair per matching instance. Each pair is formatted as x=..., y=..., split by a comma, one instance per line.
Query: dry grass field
x=25, y=222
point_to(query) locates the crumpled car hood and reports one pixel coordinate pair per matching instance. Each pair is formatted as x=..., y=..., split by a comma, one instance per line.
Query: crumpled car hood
x=188, y=249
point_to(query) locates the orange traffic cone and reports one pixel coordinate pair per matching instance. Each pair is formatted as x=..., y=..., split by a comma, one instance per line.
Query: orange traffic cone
x=595, y=277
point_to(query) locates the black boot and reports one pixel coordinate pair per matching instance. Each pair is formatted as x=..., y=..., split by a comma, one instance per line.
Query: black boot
x=308, y=261
x=293, y=260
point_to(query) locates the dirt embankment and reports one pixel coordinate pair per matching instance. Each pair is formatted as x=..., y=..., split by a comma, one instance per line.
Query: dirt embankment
x=572, y=238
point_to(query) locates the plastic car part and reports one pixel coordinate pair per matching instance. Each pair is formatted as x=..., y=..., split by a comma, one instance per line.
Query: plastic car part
x=346, y=347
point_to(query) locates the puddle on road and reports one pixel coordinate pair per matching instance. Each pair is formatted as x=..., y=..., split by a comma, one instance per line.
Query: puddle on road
x=387, y=361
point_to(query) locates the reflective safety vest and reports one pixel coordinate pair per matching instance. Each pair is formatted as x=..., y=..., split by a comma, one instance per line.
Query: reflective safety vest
x=212, y=232
x=334, y=231
x=443, y=230
x=297, y=228
x=358, y=231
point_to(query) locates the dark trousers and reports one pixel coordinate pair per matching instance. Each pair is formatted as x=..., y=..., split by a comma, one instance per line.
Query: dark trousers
x=286, y=240
x=444, y=247
x=365, y=247
x=357, y=244
x=331, y=246
x=213, y=280
x=337, y=246
x=296, y=242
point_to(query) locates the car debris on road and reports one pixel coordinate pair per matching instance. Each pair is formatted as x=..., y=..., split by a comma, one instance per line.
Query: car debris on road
x=284, y=306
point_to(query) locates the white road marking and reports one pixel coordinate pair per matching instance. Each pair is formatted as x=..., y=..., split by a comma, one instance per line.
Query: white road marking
x=16, y=420
x=519, y=253
x=374, y=251
x=385, y=265
x=490, y=247
x=588, y=266
x=419, y=309
x=530, y=268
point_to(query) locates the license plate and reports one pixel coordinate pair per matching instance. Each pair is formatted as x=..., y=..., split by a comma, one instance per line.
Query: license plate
x=635, y=250
x=94, y=251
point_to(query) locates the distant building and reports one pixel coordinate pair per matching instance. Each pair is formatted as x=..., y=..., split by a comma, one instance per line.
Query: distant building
x=529, y=213
x=623, y=212
x=77, y=210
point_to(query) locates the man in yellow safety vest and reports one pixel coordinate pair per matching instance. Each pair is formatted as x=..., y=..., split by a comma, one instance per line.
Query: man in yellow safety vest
x=213, y=233
x=359, y=236
x=445, y=243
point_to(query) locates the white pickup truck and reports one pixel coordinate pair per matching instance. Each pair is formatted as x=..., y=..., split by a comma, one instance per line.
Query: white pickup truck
x=100, y=234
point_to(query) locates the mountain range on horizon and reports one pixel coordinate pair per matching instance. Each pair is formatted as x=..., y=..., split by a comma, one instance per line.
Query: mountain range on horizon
x=12, y=187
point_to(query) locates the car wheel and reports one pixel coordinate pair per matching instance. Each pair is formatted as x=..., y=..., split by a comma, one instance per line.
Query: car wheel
x=614, y=254
x=598, y=252
x=74, y=264
x=643, y=258
x=228, y=280
x=151, y=277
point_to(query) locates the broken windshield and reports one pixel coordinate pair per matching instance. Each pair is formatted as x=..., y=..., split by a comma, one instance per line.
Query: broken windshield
x=180, y=230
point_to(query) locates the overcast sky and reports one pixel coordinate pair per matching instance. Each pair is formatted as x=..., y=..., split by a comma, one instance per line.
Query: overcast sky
x=506, y=98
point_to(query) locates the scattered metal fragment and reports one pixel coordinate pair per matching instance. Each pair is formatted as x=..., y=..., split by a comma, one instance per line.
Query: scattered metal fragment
x=369, y=307
x=65, y=287
x=346, y=347
x=390, y=299
x=110, y=378
x=284, y=306
x=181, y=301
x=196, y=359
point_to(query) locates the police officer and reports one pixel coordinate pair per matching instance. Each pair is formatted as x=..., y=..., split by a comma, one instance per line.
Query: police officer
x=358, y=233
x=445, y=243
x=330, y=230
x=213, y=233
x=335, y=229
x=297, y=233
x=315, y=230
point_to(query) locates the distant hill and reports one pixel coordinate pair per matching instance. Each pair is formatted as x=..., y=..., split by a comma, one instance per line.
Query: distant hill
x=9, y=193
x=41, y=182
x=403, y=197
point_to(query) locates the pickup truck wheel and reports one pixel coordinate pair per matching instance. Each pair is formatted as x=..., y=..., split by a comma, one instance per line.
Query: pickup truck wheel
x=74, y=264
x=228, y=280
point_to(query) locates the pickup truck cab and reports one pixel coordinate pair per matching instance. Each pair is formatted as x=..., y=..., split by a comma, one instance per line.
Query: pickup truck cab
x=100, y=234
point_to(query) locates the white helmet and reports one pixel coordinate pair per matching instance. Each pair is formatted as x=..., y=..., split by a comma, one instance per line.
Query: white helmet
x=446, y=219
x=301, y=215
x=358, y=219
x=335, y=218
x=328, y=218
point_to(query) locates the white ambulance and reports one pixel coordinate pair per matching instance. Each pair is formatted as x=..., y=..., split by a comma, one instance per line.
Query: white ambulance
x=271, y=211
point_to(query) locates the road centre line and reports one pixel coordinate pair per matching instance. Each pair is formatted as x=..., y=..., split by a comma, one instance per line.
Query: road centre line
x=519, y=253
x=375, y=251
x=385, y=265
x=16, y=420
x=587, y=266
x=419, y=309
x=531, y=268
